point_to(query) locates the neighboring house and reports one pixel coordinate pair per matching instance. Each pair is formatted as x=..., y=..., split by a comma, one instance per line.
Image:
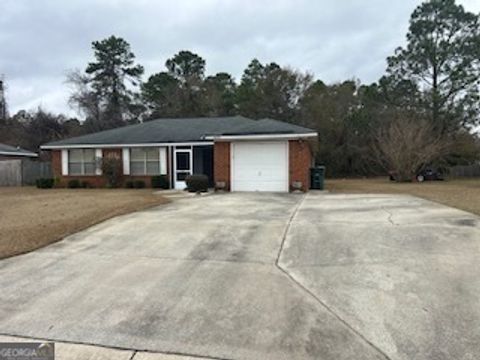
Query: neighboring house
x=20, y=167
x=237, y=153
x=8, y=152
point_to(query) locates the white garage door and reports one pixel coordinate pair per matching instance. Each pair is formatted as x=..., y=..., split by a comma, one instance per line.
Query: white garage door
x=260, y=166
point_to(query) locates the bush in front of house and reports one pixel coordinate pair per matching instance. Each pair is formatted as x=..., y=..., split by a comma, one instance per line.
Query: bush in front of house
x=197, y=183
x=74, y=184
x=129, y=184
x=160, y=182
x=45, y=183
x=139, y=184
x=85, y=184
x=112, y=170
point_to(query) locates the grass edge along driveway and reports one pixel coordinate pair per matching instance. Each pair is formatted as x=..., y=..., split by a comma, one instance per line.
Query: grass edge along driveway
x=463, y=194
x=32, y=218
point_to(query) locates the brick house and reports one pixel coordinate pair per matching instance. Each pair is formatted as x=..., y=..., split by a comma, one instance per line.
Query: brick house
x=236, y=153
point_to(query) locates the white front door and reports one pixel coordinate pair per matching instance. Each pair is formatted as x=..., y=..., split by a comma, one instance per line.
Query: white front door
x=259, y=166
x=182, y=167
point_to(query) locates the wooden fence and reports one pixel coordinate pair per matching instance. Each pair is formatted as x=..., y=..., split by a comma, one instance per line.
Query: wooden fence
x=465, y=171
x=23, y=172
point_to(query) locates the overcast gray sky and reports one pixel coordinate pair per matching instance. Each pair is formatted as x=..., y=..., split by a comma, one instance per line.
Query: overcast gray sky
x=40, y=40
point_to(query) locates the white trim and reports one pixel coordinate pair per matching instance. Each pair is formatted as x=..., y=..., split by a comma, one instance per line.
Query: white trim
x=288, y=166
x=126, y=161
x=64, y=162
x=232, y=177
x=112, y=146
x=98, y=160
x=162, y=156
x=18, y=154
x=181, y=184
x=170, y=167
x=260, y=136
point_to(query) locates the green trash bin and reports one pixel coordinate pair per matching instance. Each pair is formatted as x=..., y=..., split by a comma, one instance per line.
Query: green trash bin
x=317, y=177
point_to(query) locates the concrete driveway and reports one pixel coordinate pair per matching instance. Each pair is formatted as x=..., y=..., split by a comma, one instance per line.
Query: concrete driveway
x=260, y=276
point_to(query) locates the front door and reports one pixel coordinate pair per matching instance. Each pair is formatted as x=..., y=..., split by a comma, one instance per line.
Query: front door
x=182, y=164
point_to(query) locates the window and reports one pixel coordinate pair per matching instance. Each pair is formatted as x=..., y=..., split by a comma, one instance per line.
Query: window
x=81, y=162
x=144, y=161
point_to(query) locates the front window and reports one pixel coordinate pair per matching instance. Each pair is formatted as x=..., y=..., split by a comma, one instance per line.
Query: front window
x=144, y=161
x=81, y=162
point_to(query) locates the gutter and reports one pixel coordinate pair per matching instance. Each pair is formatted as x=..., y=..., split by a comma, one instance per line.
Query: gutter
x=18, y=154
x=119, y=146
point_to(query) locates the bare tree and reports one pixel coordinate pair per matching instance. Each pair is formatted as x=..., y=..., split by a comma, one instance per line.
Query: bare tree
x=82, y=98
x=408, y=144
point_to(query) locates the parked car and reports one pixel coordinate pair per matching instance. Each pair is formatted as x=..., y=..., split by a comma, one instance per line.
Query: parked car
x=428, y=174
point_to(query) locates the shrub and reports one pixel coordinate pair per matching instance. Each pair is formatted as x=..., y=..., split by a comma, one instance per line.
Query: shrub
x=45, y=183
x=73, y=184
x=85, y=184
x=160, y=182
x=112, y=170
x=129, y=184
x=197, y=183
x=139, y=184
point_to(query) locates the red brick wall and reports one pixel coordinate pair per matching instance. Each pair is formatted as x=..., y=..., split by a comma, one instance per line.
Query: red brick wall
x=300, y=159
x=221, y=163
x=93, y=180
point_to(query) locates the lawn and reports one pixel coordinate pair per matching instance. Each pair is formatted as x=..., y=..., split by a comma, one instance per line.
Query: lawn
x=459, y=193
x=31, y=218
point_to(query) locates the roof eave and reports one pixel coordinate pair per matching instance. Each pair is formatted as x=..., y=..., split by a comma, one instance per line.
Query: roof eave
x=119, y=146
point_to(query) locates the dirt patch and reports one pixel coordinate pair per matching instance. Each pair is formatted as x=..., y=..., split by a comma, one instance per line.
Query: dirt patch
x=463, y=194
x=31, y=218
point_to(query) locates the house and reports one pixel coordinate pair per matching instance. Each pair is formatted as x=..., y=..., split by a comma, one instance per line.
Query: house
x=236, y=153
x=8, y=152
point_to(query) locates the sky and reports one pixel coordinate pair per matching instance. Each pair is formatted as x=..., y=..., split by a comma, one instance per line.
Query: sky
x=41, y=40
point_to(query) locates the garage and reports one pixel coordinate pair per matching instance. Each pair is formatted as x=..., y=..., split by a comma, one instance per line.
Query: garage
x=259, y=166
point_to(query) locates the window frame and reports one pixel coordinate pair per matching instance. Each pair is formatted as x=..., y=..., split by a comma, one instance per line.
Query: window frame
x=83, y=163
x=145, y=161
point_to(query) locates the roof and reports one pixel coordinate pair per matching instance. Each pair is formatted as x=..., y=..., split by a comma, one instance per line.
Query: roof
x=182, y=130
x=7, y=150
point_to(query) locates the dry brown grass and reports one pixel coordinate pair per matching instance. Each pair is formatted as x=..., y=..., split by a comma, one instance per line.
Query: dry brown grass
x=31, y=218
x=460, y=193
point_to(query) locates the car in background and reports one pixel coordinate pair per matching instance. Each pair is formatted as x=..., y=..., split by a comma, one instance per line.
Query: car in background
x=428, y=174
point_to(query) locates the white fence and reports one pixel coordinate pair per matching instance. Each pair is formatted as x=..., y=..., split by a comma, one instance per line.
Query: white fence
x=23, y=172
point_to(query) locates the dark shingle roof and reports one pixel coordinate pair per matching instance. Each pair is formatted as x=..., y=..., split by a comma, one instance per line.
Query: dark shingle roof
x=268, y=126
x=183, y=130
x=15, y=151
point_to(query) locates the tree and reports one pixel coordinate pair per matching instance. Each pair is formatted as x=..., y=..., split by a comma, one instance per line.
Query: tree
x=162, y=95
x=189, y=70
x=271, y=91
x=407, y=144
x=112, y=170
x=186, y=67
x=108, y=76
x=344, y=125
x=442, y=57
x=219, y=95
x=86, y=101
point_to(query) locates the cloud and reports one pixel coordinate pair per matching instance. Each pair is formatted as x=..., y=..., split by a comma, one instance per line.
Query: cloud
x=41, y=40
